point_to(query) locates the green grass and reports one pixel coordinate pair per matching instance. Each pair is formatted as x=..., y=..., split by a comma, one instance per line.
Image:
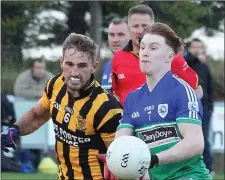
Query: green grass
x=20, y=176
x=219, y=176
x=38, y=176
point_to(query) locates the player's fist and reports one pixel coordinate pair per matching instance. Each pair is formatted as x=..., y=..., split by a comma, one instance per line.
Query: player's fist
x=8, y=139
x=107, y=174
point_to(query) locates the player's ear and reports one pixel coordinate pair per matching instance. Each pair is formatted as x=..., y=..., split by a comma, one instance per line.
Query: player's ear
x=95, y=65
x=61, y=62
x=170, y=57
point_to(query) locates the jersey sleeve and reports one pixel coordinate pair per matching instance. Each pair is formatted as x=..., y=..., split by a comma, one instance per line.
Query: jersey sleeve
x=126, y=120
x=107, y=119
x=180, y=67
x=45, y=101
x=115, y=86
x=188, y=106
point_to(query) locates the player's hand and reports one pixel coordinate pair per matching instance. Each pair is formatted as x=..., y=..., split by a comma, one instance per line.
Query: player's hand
x=107, y=174
x=8, y=139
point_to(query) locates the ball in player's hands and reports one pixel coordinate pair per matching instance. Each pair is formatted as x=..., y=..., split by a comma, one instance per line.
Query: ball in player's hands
x=128, y=157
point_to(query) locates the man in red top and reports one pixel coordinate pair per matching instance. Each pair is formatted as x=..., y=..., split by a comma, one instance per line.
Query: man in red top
x=126, y=74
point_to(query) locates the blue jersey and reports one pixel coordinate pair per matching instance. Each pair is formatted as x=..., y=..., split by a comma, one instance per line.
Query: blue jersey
x=107, y=76
x=154, y=117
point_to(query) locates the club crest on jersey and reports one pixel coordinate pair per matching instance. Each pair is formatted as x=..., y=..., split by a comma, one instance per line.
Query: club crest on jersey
x=163, y=110
x=193, y=106
x=81, y=123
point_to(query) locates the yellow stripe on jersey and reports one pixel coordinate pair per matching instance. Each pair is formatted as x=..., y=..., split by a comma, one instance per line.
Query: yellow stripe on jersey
x=101, y=98
x=111, y=113
x=63, y=167
x=74, y=156
x=76, y=108
x=107, y=137
x=94, y=164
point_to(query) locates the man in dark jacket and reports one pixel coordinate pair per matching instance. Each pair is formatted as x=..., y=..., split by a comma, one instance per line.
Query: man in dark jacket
x=205, y=80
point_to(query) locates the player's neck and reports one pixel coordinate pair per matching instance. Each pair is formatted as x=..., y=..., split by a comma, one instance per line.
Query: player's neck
x=136, y=49
x=74, y=93
x=153, y=80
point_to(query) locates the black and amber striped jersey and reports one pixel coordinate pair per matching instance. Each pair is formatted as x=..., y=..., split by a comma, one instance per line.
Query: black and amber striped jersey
x=81, y=126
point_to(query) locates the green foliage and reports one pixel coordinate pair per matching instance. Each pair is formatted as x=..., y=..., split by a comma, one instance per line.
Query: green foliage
x=183, y=16
x=216, y=10
x=16, y=16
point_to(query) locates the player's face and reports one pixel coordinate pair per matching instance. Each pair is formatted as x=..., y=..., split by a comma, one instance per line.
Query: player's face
x=118, y=36
x=39, y=69
x=154, y=54
x=77, y=69
x=136, y=25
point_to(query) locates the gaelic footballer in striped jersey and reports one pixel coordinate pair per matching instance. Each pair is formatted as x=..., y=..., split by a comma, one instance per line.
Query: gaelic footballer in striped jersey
x=165, y=112
x=84, y=115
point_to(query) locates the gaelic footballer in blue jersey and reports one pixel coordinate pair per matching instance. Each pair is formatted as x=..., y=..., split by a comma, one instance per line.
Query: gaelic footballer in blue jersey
x=165, y=112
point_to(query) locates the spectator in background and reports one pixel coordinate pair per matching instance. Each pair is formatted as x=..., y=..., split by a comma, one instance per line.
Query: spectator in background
x=118, y=37
x=125, y=63
x=31, y=82
x=196, y=59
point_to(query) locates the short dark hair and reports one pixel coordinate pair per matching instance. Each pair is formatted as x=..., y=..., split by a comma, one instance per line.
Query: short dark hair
x=188, y=45
x=117, y=21
x=141, y=9
x=81, y=43
x=39, y=59
x=196, y=40
x=165, y=31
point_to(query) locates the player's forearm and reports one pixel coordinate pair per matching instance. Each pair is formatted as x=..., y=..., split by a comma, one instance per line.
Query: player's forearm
x=30, y=122
x=124, y=132
x=185, y=149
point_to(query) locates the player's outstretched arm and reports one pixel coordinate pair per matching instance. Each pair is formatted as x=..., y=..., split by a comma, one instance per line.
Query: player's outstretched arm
x=33, y=119
x=191, y=145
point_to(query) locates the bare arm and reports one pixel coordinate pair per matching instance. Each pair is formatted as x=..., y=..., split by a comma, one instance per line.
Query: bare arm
x=191, y=145
x=124, y=132
x=199, y=91
x=33, y=119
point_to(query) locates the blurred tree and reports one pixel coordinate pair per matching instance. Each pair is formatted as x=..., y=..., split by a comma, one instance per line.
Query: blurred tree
x=16, y=15
x=76, y=16
x=22, y=26
x=186, y=16
x=96, y=21
x=212, y=21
